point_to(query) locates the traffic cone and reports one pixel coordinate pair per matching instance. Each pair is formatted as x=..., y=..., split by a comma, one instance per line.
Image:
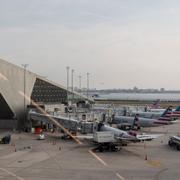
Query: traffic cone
x=146, y=157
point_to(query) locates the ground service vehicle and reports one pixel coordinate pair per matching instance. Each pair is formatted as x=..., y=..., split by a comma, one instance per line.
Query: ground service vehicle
x=174, y=141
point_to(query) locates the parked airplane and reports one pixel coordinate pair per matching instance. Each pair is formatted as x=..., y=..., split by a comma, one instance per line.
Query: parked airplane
x=164, y=119
x=165, y=115
x=141, y=122
x=173, y=113
x=120, y=136
x=156, y=104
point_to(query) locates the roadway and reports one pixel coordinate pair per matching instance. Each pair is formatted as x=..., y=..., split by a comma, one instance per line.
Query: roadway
x=29, y=159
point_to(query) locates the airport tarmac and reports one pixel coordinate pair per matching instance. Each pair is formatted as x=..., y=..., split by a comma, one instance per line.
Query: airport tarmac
x=53, y=159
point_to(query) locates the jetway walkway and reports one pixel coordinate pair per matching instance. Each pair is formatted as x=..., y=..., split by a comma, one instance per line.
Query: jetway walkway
x=61, y=122
x=64, y=123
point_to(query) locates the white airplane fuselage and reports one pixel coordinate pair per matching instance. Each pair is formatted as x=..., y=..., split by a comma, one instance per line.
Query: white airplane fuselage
x=143, y=122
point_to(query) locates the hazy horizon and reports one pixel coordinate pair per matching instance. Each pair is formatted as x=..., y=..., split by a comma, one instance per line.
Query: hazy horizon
x=121, y=44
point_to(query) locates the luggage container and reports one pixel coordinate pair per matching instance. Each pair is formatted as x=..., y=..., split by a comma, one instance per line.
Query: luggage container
x=103, y=137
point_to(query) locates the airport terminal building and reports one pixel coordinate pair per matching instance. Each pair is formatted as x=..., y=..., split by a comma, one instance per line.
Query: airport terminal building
x=19, y=88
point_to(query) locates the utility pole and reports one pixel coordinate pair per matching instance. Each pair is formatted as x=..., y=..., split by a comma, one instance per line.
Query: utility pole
x=25, y=67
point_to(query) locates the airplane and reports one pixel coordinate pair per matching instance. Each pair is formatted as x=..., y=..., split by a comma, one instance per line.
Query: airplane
x=165, y=115
x=142, y=122
x=111, y=138
x=128, y=135
x=156, y=104
x=173, y=113
x=155, y=108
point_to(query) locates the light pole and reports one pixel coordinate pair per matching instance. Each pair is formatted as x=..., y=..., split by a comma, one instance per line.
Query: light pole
x=25, y=67
x=72, y=85
x=88, y=85
x=72, y=80
x=80, y=83
x=67, y=69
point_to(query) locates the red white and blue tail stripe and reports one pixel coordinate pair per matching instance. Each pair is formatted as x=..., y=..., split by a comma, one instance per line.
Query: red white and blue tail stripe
x=156, y=104
x=176, y=113
x=167, y=115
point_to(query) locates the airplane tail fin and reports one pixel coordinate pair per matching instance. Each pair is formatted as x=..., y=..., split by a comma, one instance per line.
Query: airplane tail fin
x=156, y=104
x=176, y=113
x=178, y=108
x=167, y=114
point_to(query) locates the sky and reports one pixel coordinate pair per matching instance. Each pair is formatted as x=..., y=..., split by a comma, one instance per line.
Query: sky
x=121, y=43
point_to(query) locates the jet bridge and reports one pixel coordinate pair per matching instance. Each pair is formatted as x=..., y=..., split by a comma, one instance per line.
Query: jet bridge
x=65, y=122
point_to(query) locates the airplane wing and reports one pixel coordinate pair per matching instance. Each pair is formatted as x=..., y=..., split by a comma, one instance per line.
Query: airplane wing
x=140, y=137
x=147, y=137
